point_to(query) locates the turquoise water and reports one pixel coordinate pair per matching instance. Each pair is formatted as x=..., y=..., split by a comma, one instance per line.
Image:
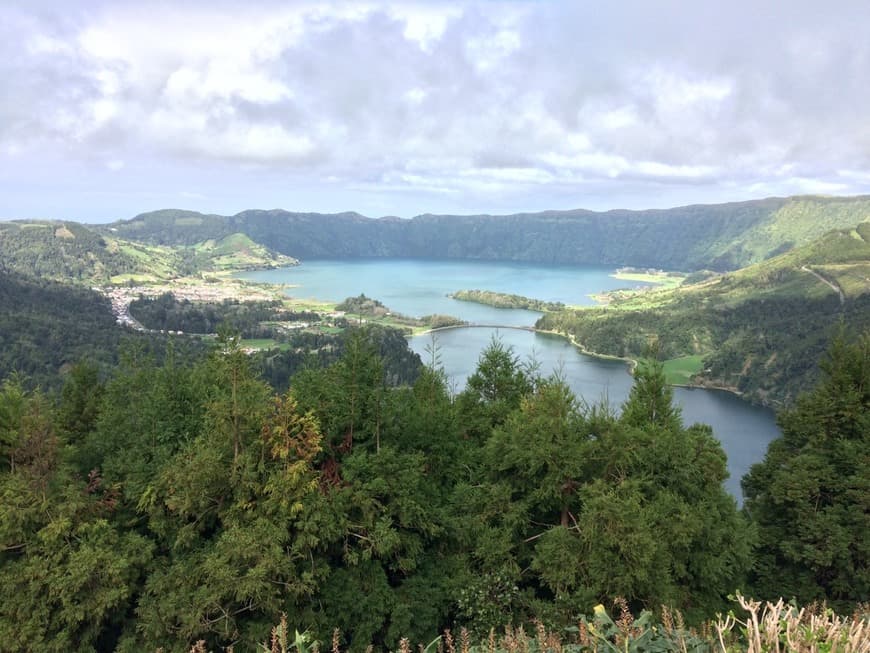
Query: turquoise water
x=417, y=288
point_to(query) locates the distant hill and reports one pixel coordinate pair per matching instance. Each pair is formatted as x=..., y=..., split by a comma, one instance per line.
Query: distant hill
x=759, y=330
x=72, y=252
x=237, y=251
x=718, y=237
x=64, y=251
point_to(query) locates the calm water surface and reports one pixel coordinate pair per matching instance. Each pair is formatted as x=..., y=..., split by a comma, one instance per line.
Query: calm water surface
x=417, y=288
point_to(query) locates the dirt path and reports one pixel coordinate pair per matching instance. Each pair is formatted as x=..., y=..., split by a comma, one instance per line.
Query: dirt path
x=831, y=284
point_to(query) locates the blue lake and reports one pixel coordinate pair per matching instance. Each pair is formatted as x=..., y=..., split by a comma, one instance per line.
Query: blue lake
x=417, y=288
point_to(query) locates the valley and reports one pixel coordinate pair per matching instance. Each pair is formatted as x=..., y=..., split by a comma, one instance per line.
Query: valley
x=434, y=327
x=755, y=330
x=403, y=401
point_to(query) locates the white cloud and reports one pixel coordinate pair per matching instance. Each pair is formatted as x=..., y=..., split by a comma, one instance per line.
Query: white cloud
x=477, y=100
x=223, y=81
x=489, y=51
x=424, y=25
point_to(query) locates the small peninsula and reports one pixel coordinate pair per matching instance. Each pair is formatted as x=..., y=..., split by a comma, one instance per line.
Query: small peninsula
x=506, y=300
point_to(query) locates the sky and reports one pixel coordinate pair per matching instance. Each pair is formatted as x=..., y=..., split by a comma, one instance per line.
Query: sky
x=110, y=109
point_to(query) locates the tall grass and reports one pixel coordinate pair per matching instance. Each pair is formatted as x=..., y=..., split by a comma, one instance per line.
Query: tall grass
x=754, y=627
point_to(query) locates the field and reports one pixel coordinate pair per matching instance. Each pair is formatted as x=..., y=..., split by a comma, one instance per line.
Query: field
x=263, y=343
x=680, y=371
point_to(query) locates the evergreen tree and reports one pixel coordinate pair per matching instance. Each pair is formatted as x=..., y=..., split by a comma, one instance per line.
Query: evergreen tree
x=581, y=507
x=534, y=465
x=68, y=575
x=493, y=390
x=383, y=513
x=231, y=515
x=662, y=529
x=810, y=497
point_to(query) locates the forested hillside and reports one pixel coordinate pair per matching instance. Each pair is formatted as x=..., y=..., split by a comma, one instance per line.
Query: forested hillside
x=718, y=237
x=64, y=251
x=757, y=330
x=71, y=252
x=46, y=327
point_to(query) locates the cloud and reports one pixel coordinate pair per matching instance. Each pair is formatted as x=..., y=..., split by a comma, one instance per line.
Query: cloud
x=466, y=100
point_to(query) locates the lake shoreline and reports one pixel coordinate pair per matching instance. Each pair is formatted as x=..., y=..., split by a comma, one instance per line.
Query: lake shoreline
x=631, y=363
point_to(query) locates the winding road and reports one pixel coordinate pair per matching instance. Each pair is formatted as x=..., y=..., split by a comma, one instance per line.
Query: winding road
x=831, y=284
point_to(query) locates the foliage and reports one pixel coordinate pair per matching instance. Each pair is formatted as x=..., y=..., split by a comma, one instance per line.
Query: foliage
x=362, y=305
x=810, y=495
x=506, y=300
x=72, y=572
x=494, y=390
x=63, y=251
x=181, y=502
x=47, y=328
x=577, y=505
x=168, y=313
x=761, y=627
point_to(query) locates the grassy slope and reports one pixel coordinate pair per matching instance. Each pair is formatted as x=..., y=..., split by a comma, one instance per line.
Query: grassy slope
x=238, y=251
x=798, y=221
x=758, y=330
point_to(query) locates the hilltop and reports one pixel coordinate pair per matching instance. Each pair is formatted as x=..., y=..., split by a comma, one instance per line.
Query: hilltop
x=719, y=237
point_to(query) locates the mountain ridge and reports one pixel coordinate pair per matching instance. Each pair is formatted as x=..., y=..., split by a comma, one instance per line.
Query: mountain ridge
x=720, y=237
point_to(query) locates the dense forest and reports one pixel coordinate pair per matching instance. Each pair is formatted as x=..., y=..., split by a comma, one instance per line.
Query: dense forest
x=506, y=300
x=718, y=237
x=60, y=250
x=176, y=501
x=46, y=327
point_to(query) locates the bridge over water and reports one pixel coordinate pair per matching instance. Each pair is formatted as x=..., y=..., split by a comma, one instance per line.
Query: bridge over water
x=475, y=325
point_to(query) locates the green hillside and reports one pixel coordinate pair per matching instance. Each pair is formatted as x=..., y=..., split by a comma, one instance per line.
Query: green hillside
x=48, y=327
x=799, y=220
x=757, y=330
x=719, y=236
x=71, y=252
x=64, y=251
x=237, y=251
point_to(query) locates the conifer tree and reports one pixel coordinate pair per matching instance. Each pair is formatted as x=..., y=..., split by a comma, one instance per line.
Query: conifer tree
x=810, y=497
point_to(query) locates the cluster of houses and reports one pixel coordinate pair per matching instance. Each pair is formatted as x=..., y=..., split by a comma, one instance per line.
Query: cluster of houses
x=121, y=296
